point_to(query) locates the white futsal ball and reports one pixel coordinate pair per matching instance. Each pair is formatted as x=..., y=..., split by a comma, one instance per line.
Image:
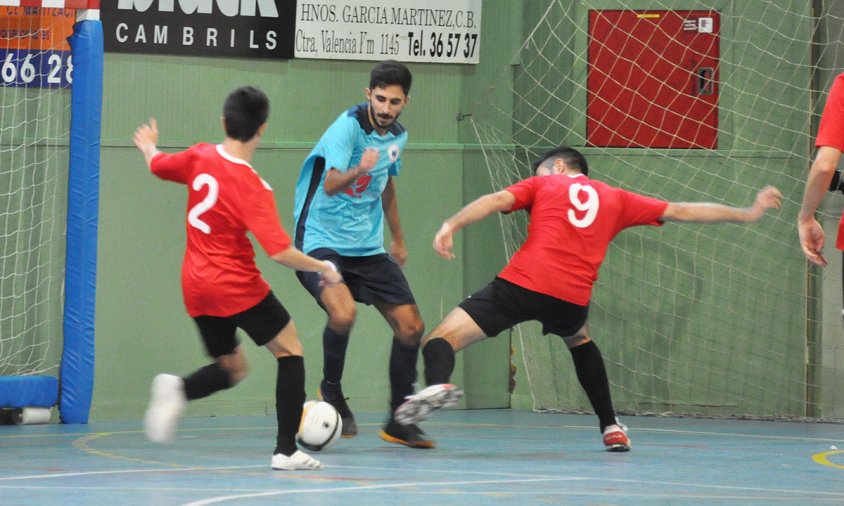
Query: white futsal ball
x=320, y=427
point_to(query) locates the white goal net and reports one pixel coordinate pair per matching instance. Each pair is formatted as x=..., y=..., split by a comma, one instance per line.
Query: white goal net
x=34, y=124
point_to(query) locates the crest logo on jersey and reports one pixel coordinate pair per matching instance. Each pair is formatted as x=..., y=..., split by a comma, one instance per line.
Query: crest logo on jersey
x=358, y=187
x=393, y=153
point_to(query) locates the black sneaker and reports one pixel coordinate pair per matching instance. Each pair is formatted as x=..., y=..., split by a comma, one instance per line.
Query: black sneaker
x=409, y=435
x=336, y=399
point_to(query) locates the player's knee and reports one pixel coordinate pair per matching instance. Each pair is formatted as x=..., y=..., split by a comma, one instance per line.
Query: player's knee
x=576, y=340
x=237, y=373
x=342, y=324
x=410, y=332
x=342, y=319
x=285, y=345
x=290, y=349
x=237, y=378
x=234, y=365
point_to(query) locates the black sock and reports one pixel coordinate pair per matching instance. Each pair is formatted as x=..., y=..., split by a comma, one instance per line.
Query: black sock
x=205, y=381
x=402, y=372
x=439, y=361
x=289, y=398
x=333, y=354
x=589, y=365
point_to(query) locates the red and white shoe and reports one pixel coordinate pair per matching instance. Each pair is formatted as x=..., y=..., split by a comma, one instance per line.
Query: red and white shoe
x=616, y=438
x=419, y=406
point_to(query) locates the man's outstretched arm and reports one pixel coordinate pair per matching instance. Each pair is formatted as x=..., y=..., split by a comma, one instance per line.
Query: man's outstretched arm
x=708, y=212
x=474, y=211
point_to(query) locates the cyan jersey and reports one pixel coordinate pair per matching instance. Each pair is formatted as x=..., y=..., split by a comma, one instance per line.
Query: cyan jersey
x=351, y=222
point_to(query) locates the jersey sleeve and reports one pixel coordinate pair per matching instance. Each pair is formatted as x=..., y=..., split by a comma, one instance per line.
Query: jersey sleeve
x=641, y=210
x=524, y=191
x=394, y=152
x=261, y=218
x=395, y=168
x=339, y=143
x=831, y=128
x=176, y=167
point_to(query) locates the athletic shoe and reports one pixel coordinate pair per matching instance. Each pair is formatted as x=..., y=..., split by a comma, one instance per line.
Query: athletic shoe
x=296, y=462
x=336, y=399
x=167, y=403
x=405, y=434
x=616, y=438
x=418, y=407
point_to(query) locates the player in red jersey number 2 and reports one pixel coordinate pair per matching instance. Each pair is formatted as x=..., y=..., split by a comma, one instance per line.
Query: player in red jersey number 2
x=222, y=287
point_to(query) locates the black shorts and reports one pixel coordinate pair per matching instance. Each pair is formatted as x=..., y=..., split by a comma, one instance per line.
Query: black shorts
x=262, y=322
x=371, y=279
x=501, y=305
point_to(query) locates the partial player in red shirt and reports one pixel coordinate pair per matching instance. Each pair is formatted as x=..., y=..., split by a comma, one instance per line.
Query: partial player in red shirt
x=549, y=279
x=222, y=287
x=823, y=176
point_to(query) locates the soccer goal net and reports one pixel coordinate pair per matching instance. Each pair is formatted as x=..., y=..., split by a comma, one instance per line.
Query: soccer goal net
x=685, y=101
x=45, y=191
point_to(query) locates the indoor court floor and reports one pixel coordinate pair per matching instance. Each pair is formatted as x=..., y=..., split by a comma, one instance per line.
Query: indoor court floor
x=484, y=457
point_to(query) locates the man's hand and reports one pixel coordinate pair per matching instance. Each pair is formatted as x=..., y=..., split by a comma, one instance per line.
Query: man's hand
x=330, y=276
x=368, y=160
x=336, y=181
x=812, y=241
x=443, y=242
x=767, y=198
x=146, y=134
x=398, y=251
x=146, y=139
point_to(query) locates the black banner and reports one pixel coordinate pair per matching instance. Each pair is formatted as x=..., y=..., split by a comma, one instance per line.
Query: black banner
x=217, y=28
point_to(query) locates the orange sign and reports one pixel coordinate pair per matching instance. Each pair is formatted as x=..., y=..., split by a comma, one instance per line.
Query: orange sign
x=36, y=28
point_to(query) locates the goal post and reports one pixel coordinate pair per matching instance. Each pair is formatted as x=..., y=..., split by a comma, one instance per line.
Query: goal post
x=77, y=366
x=50, y=141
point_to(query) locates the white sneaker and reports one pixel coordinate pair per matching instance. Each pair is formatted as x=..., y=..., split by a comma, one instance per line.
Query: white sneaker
x=166, y=405
x=418, y=407
x=298, y=461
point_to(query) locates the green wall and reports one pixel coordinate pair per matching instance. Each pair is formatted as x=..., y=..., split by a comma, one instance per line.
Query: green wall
x=141, y=326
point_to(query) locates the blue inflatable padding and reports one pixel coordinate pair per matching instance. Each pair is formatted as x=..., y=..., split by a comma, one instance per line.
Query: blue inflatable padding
x=28, y=391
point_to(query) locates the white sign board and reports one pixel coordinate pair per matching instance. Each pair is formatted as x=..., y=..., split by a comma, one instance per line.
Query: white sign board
x=431, y=31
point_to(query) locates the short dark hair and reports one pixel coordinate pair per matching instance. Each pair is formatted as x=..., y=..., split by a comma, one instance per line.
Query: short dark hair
x=571, y=156
x=390, y=72
x=245, y=110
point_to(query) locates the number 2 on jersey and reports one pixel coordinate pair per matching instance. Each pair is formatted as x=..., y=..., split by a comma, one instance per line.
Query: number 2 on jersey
x=206, y=204
x=590, y=205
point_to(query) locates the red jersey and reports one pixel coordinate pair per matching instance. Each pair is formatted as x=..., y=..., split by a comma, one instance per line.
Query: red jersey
x=831, y=132
x=572, y=222
x=226, y=198
x=831, y=128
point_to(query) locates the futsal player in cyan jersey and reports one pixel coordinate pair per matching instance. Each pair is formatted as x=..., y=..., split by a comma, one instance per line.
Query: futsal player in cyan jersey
x=344, y=194
x=221, y=284
x=549, y=279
